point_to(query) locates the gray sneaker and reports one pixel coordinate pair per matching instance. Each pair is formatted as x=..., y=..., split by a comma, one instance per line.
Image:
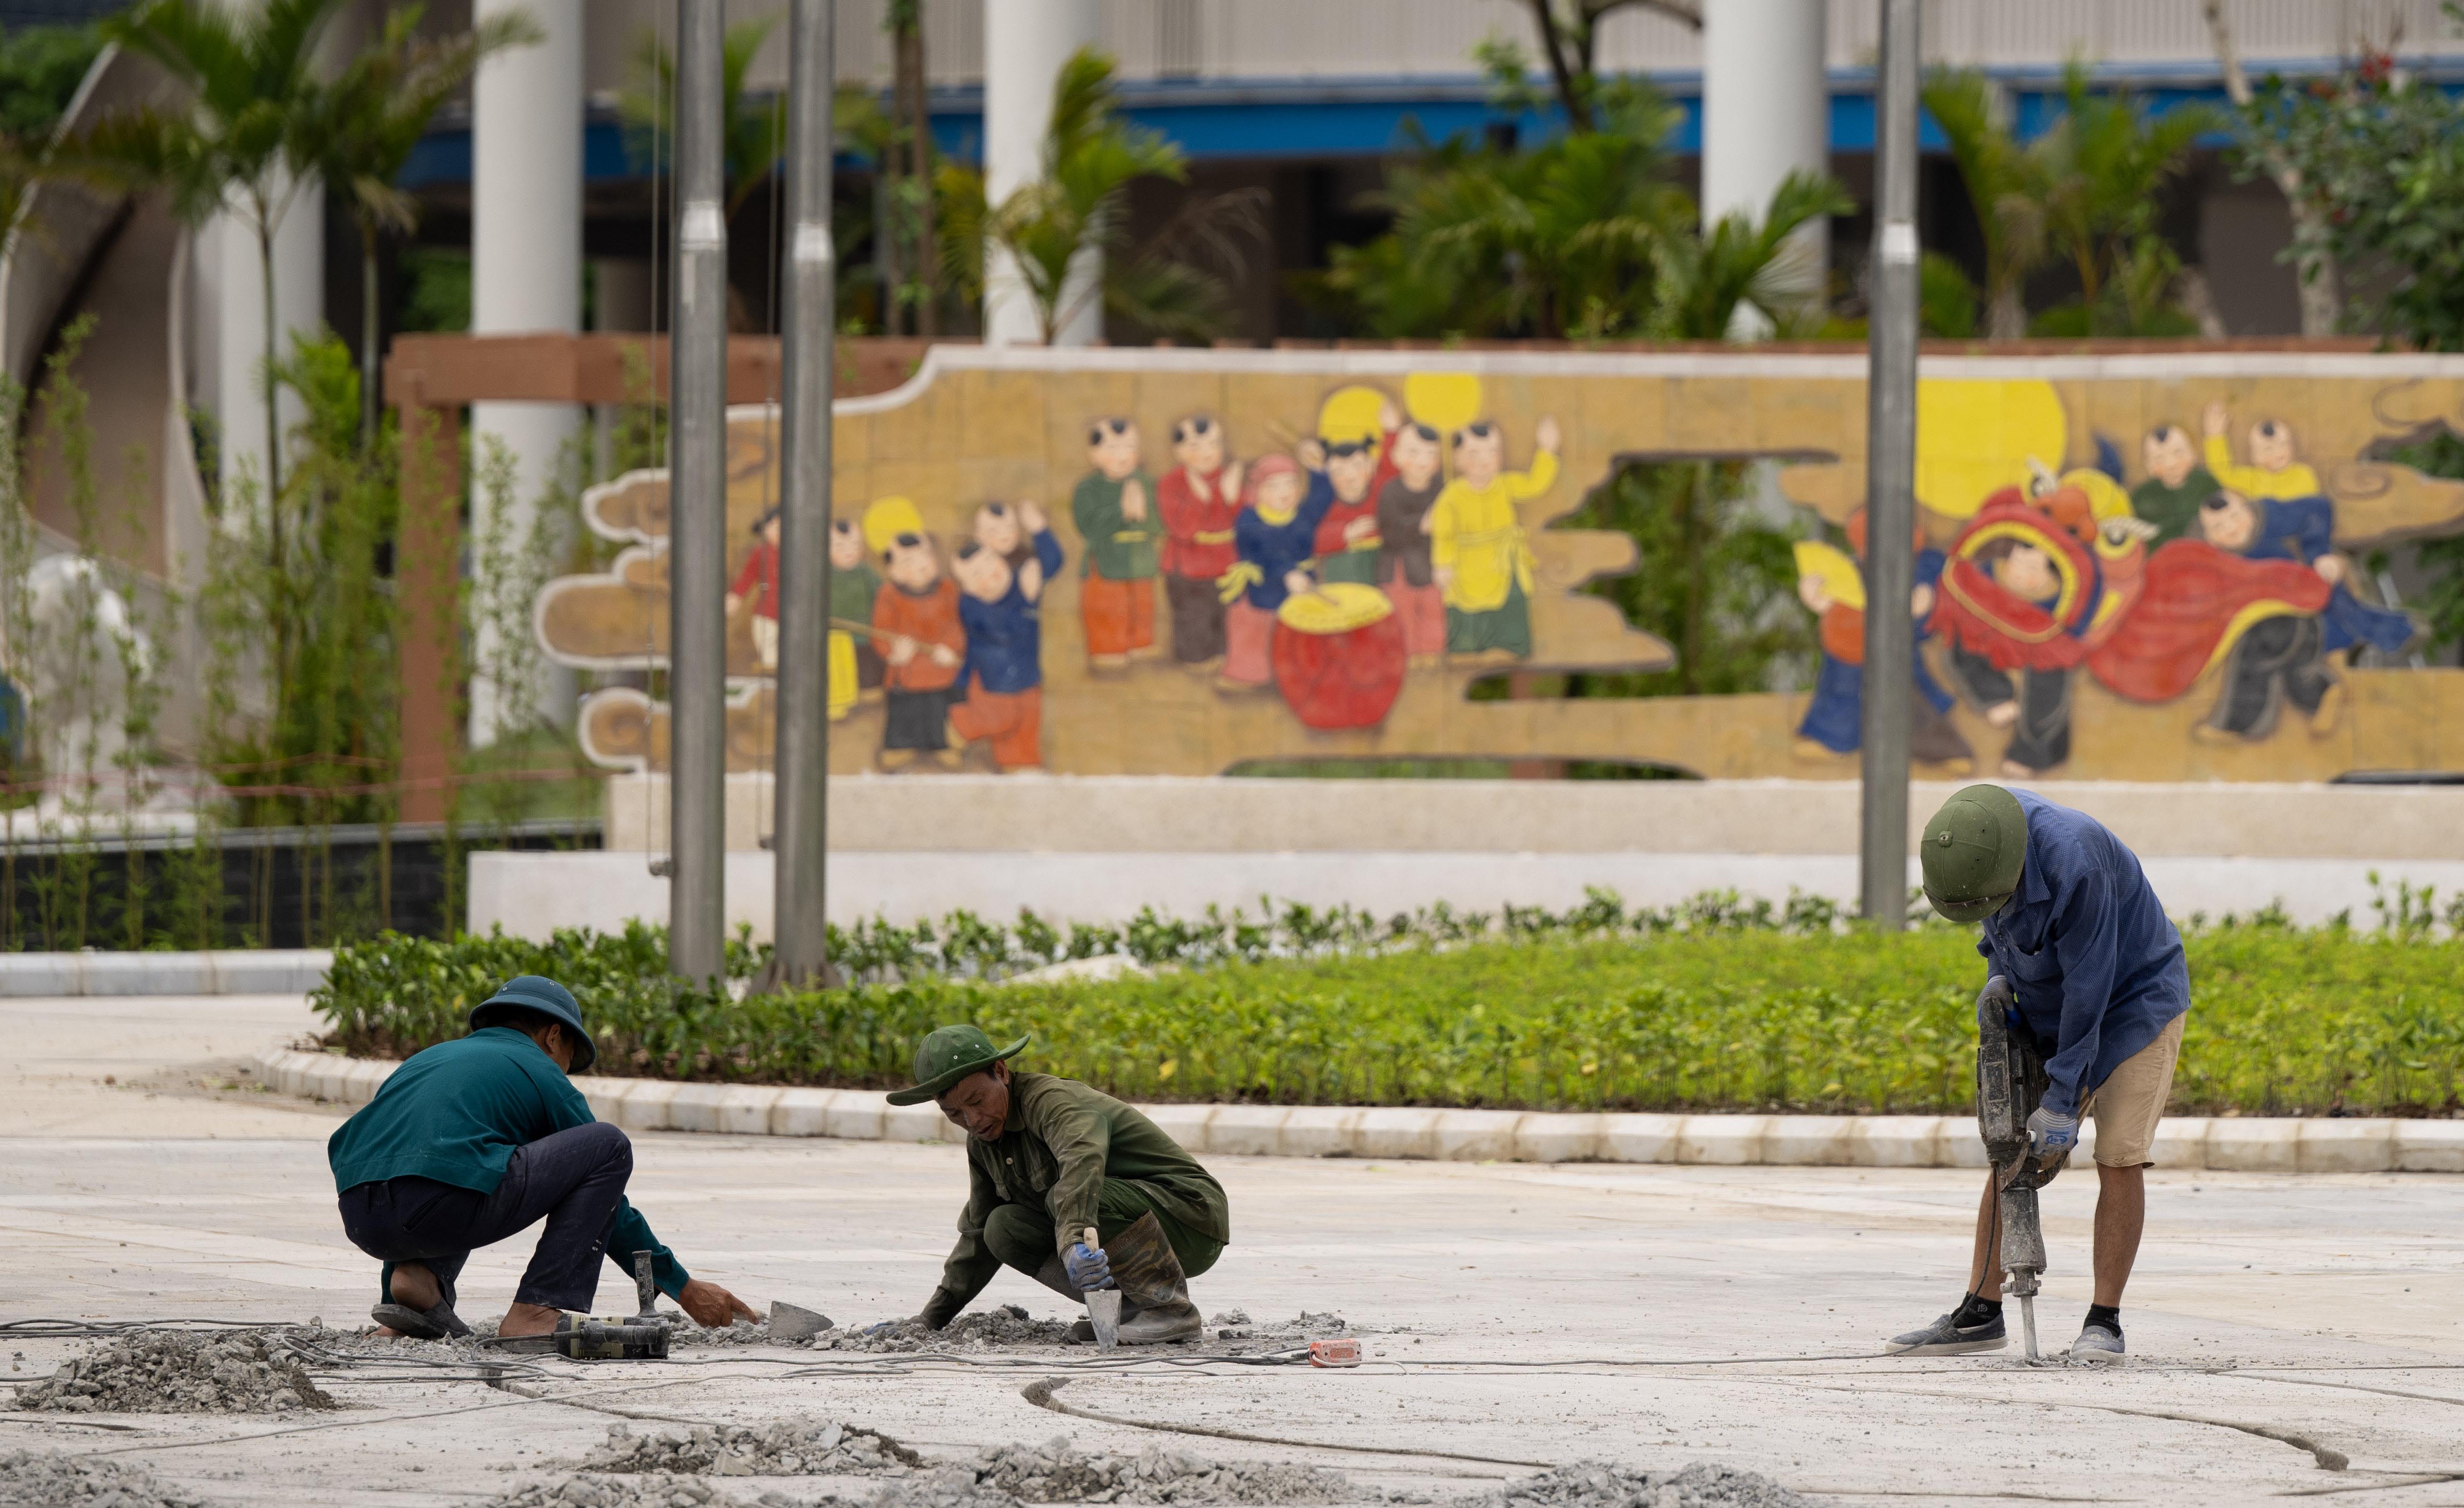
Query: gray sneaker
x=2097, y=1343
x=1943, y=1337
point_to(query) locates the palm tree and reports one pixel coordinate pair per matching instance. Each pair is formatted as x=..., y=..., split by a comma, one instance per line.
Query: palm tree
x=2102, y=167
x=1700, y=281
x=237, y=148
x=1090, y=158
x=364, y=128
x=2004, y=183
x=756, y=129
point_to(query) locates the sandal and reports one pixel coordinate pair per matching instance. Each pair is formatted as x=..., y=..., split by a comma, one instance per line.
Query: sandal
x=423, y=1324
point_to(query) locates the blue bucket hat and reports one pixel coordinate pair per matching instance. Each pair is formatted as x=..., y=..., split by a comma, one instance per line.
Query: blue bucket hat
x=542, y=996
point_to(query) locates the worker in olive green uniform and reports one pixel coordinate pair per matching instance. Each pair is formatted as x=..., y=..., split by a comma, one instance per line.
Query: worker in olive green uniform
x=1047, y=1158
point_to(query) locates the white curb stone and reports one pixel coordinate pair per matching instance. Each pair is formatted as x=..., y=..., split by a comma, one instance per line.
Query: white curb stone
x=2225, y=1143
x=248, y=971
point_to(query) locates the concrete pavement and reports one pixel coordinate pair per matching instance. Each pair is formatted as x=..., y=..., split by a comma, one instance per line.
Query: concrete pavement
x=1504, y=1306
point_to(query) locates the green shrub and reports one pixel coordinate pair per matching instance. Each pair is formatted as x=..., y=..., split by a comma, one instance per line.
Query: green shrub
x=1715, y=1004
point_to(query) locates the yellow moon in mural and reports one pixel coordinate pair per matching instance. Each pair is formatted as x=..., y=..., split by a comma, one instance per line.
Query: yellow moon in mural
x=1444, y=401
x=1976, y=438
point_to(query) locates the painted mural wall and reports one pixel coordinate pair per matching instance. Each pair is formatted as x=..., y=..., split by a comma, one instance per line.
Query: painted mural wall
x=1172, y=562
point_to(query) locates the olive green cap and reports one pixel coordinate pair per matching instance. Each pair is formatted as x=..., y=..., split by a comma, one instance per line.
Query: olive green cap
x=1972, y=853
x=948, y=1055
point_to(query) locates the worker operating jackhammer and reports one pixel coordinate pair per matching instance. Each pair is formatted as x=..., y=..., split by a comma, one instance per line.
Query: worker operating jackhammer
x=2098, y=980
x=473, y=1141
x=1046, y=1159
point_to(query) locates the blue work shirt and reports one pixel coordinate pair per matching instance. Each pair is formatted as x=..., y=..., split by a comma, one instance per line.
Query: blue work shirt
x=1005, y=639
x=2096, y=968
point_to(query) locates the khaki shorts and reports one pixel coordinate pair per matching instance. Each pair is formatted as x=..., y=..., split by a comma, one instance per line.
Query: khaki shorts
x=2132, y=1100
x=765, y=642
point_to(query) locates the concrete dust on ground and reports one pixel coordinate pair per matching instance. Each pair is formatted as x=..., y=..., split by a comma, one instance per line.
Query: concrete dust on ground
x=1058, y=1472
x=1602, y=1484
x=802, y=1445
x=976, y=1330
x=632, y=1492
x=178, y=1371
x=56, y=1479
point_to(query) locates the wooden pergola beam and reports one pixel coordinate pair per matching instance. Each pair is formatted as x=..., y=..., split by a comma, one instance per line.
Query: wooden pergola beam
x=429, y=378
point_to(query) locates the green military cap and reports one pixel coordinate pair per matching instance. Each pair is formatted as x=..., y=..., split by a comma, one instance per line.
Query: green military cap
x=1972, y=852
x=948, y=1055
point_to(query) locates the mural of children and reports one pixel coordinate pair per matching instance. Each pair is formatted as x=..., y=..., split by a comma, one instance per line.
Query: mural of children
x=1114, y=509
x=1199, y=500
x=2205, y=601
x=1003, y=674
x=760, y=574
x=998, y=528
x=1275, y=537
x=1833, y=720
x=1477, y=547
x=2304, y=529
x=916, y=621
x=1352, y=429
x=2175, y=486
x=1404, y=571
x=2018, y=601
x=853, y=585
x=2271, y=471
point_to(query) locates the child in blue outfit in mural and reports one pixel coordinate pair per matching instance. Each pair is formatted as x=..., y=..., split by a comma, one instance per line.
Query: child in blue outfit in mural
x=1276, y=538
x=1000, y=607
x=1834, y=722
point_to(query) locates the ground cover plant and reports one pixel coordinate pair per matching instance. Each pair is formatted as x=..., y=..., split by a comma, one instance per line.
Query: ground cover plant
x=1715, y=1004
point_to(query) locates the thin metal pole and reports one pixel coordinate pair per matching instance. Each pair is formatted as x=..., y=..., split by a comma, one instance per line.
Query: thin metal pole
x=801, y=845
x=1890, y=480
x=698, y=509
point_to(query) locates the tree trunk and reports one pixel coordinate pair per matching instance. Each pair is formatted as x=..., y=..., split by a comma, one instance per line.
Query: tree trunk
x=2321, y=280
x=2006, y=313
x=370, y=327
x=2322, y=283
x=916, y=115
x=277, y=595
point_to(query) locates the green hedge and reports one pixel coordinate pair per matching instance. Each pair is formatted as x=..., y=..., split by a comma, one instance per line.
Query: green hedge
x=1715, y=1005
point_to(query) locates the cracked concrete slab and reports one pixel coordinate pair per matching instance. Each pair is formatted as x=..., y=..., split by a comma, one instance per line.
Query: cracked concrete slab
x=1503, y=1308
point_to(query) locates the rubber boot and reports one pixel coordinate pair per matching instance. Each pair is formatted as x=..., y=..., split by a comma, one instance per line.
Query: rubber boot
x=1054, y=1275
x=1155, y=1293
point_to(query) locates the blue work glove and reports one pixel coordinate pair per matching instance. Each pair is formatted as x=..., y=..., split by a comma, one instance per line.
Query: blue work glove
x=1088, y=1268
x=2052, y=1135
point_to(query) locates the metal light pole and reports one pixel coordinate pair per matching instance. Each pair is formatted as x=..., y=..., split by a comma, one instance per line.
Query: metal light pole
x=698, y=509
x=1890, y=478
x=800, y=845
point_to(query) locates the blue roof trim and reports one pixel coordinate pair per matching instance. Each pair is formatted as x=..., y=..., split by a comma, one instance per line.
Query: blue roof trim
x=1305, y=119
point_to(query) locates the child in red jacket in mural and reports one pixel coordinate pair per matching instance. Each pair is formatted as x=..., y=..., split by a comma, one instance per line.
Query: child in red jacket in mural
x=1198, y=498
x=915, y=624
x=760, y=574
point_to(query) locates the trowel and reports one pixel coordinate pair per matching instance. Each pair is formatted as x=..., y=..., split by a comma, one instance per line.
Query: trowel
x=1103, y=1305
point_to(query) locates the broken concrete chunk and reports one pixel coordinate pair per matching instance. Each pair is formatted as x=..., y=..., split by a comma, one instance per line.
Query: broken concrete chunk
x=794, y=1322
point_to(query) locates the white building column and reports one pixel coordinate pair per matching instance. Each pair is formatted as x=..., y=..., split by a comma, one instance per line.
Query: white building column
x=1025, y=43
x=230, y=277
x=1765, y=114
x=526, y=113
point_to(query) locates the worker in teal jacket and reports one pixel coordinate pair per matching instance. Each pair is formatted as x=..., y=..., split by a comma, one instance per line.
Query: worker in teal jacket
x=471, y=1141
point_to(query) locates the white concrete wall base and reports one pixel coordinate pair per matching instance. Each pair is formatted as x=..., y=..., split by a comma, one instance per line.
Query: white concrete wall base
x=265, y=971
x=2222, y=1144
x=532, y=894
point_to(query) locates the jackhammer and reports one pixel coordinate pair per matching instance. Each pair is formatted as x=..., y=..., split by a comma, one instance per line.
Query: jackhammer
x=2010, y=1082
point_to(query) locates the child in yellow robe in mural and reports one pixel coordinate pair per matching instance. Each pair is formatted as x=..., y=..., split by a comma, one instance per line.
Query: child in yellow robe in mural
x=2271, y=471
x=1477, y=547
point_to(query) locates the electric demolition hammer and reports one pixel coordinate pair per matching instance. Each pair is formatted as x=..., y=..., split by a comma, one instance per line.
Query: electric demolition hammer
x=2010, y=1082
x=589, y=1338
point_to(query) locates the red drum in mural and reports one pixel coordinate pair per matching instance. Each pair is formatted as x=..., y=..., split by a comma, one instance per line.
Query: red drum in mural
x=1339, y=656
